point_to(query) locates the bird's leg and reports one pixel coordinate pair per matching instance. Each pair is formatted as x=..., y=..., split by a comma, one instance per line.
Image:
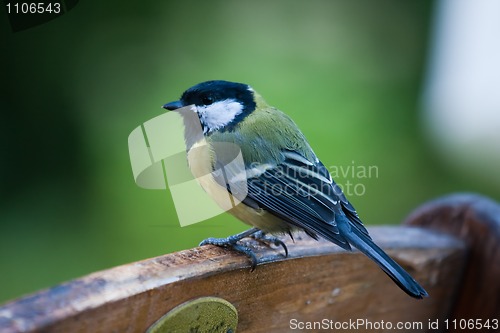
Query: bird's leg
x=231, y=242
x=262, y=237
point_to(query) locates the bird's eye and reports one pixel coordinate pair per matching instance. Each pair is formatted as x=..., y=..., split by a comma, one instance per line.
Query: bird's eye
x=207, y=100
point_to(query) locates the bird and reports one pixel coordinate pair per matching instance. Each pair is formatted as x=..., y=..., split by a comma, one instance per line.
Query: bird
x=282, y=187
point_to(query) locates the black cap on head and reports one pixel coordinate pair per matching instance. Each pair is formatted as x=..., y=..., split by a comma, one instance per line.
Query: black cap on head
x=222, y=116
x=209, y=92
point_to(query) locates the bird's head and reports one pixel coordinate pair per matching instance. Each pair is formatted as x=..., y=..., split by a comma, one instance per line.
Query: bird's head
x=220, y=105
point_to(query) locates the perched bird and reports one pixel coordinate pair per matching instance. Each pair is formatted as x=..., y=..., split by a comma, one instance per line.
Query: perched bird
x=286, y=187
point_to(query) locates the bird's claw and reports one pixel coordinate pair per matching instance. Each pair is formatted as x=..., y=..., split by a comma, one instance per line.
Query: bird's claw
x=262, y=237
x=232, y=243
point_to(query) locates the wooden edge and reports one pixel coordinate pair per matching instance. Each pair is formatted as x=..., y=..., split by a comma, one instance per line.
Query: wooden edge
x=132, y=293
x=476, y=220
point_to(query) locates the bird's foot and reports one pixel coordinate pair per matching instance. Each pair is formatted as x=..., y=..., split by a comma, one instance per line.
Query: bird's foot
x=263, y=237
x=232, y=243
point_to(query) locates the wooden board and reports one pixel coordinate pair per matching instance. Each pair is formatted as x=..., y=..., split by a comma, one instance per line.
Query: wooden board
x=476, y=220
x=317, y=282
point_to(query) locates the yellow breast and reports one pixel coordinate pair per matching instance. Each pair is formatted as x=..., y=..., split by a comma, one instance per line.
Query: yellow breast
x=200, y=159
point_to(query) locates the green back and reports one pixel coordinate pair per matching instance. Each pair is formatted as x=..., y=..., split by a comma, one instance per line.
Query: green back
x=264, y=134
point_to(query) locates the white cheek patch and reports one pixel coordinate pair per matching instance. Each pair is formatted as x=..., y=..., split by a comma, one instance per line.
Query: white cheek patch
x=219, y=114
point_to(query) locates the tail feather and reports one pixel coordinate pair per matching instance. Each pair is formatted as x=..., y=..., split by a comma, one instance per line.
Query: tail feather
x=388, y=265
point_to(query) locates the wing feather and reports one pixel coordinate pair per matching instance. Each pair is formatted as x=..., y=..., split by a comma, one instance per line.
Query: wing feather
x=301, y=193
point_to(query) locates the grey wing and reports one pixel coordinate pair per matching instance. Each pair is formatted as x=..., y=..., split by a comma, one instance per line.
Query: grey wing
x=303, y=194
x=328, y=187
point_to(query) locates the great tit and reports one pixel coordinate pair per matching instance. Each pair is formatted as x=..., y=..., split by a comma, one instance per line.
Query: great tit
x=287, y=188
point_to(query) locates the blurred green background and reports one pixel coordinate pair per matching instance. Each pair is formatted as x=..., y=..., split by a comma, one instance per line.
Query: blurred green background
x=349, y=73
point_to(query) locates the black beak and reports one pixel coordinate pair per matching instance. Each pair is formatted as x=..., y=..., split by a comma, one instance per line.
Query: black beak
x=173, y=105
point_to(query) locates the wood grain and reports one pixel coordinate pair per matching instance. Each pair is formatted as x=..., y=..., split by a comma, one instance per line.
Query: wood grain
x=317, y=281
x=476, y=220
